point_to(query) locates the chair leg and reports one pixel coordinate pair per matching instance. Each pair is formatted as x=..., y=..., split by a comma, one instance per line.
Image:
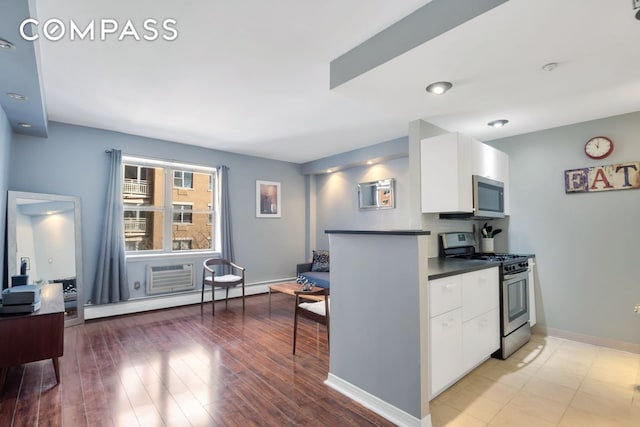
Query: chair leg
x=202, y=297
x=327, y=335
x=295, y=331
x=226, y=300
x=242, y=296
x=213, y=300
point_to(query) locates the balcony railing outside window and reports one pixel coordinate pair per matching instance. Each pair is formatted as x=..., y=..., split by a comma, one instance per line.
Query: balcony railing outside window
x=134, y=225
x=136, y=187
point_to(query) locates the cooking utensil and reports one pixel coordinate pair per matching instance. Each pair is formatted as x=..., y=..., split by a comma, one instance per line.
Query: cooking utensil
x=496, y=231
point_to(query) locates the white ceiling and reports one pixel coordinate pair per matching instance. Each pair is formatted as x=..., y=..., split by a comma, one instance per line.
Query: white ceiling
x=252, y=76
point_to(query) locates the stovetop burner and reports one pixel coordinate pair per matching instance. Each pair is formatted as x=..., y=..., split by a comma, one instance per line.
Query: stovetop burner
x=496, y=257
x=462, y=245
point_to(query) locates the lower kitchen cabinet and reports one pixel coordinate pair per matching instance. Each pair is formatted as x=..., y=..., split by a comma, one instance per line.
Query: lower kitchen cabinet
x=480, y=338
x=465, y=335
x=445, y=338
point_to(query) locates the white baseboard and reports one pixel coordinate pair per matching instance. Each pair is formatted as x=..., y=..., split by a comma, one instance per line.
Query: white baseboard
x=589, y=339
x=175, y=300
x=377, y=405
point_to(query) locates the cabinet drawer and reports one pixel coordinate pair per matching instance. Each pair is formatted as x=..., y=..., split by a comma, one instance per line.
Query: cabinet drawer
x=445, y=345
x=445, y=295
x=481, y=337
x=480, y=292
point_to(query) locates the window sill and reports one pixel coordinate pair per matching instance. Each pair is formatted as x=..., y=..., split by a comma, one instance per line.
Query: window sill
x=173, y=255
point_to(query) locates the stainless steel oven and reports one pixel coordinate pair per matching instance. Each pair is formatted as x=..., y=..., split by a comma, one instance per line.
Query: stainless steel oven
x=514, y=300
x=515, y=307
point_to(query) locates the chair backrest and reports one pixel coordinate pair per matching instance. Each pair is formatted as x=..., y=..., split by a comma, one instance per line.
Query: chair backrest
x=216, y=261
x=217, y=266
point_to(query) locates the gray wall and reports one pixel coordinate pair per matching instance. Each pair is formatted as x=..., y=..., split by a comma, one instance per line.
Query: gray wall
x=378, y=333
x=337, y=200
x=72, y=161
x=5, y=151
x=586, y=245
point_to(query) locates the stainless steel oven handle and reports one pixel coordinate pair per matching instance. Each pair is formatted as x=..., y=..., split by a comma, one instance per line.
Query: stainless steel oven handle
x=517, y=275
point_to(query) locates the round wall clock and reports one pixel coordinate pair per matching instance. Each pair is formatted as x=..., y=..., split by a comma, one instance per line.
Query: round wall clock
x=598, y=147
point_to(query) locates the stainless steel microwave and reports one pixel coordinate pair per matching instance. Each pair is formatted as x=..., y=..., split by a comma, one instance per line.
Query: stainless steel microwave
x=488, y=198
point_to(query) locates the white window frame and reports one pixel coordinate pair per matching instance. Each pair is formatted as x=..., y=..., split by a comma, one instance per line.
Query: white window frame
x=167, y=242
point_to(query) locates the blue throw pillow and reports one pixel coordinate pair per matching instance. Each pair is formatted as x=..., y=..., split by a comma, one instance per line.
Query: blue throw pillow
x=320, y=261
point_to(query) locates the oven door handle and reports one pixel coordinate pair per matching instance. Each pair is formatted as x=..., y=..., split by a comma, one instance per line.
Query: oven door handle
x=509, y=277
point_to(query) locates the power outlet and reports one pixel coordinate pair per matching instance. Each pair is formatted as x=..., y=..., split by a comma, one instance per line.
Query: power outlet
x=136, y=285
x=637, y=308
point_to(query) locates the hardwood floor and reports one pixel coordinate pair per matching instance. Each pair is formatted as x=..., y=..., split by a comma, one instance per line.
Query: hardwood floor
x=181, y=367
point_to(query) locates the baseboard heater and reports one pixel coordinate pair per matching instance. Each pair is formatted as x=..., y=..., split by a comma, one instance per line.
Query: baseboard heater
x=170, y=278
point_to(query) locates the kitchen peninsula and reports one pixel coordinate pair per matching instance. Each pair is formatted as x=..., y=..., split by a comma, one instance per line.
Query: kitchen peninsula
x=379, y=321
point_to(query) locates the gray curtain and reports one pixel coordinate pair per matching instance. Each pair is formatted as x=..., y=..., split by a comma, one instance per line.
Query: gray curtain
x=226, y=251
x=111, y=277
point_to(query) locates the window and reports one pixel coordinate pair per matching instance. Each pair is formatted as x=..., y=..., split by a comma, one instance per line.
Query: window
x=182, y=213
x=182, y=244
x=159, y=216
x=182, y=179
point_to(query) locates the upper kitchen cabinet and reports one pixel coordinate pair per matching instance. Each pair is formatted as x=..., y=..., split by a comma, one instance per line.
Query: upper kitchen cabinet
x=448, y=163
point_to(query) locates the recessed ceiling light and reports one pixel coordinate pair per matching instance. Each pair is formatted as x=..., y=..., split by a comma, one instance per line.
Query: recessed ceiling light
x=25, y=125
x=498, y=123
x=439, y=88
x=329, y=170
x=550, y=66
x=370, y=162
x=17, y=96
x=6, y=44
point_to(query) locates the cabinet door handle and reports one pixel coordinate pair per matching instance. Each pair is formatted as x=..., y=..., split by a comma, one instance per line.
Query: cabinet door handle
x=447, y=323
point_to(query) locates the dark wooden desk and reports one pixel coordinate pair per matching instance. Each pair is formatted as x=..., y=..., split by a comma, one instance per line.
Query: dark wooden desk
x=35, y=336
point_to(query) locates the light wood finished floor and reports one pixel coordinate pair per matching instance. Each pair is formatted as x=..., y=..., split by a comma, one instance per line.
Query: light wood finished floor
x=179, y=367
x=549, y=382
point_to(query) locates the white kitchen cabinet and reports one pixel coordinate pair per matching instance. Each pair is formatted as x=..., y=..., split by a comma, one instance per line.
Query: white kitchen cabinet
x=447, y=164
x=532, y=291
x=464, y=325
x=445, y=356
x=445, y=170
x=480, y=292
x=481, y=337
x=445, y=294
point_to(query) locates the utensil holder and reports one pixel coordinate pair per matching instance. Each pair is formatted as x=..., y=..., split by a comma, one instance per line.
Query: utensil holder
x=487, y=245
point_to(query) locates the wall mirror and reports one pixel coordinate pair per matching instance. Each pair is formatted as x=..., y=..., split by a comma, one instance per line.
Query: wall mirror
x=376, y=194
x=44, y=241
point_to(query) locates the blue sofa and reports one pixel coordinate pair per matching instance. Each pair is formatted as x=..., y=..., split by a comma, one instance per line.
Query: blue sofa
x=320, y=278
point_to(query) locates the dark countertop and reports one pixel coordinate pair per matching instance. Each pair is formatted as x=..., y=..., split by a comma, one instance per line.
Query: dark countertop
x=444, y=267
x=382, y=232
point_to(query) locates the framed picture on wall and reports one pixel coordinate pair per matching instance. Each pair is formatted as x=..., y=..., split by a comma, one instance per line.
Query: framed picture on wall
x=268, y=199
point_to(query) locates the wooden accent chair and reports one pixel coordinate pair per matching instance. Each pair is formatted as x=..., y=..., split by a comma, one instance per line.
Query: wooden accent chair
x=210, y=278
x=317, y=311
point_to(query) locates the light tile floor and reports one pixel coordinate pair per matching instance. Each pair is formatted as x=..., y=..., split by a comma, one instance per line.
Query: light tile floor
x=548, y=382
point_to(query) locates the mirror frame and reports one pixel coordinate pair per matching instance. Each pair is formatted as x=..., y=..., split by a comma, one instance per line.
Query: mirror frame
x=377, y=185
x=12, y=248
